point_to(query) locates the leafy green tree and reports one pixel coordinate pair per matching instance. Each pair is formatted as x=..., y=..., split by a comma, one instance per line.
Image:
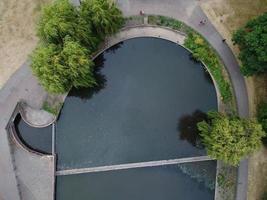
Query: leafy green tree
x=60, y=19
x=230, y=138
x=106, y=18
x=58, y=69
x=252, y=41
x=79, y=65
x=68, y=37
x=57, y=20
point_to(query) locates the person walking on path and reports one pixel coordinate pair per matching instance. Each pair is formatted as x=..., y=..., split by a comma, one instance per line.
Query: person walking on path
x=202, y=22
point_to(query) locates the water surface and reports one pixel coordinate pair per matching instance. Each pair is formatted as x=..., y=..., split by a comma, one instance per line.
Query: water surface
x=147, y=87
x=39, y=139
x=194, y=181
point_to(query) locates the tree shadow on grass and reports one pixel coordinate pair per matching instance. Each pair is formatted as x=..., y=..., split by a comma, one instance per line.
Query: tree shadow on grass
x=187, y=128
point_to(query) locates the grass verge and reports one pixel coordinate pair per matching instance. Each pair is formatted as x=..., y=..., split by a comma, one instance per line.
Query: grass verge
x=52, y=109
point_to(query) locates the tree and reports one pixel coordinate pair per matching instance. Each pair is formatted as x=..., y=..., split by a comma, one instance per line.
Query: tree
x=61, y=19
x=68, y=36
x=79, y=65
x=58, y=69
x=252, y=42
x=230, y=138
x=57, y=20
x=106, y=18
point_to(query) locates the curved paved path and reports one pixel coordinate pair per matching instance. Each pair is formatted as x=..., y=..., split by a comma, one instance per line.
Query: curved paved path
x=190, y=12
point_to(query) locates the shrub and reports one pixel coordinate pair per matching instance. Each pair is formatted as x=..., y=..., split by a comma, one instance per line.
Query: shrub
x=252, y=41
x=203, y=52
x=262, y=118
x=230, y=138
x=262, y=115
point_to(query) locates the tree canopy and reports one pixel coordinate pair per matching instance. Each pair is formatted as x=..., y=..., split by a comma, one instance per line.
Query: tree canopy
x=252, y=41
x=57, y=20
x=105, y=17
x=58, y=69
x=68, y=37
x=230, y=138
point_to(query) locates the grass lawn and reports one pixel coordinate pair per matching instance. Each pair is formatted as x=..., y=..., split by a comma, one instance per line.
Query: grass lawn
x=17, y=34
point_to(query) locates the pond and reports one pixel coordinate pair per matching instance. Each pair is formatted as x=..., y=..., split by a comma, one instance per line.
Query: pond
x=39, y=139
x=149, y=97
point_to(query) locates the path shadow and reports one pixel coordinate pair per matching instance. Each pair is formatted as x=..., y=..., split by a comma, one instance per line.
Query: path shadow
x=187, y=128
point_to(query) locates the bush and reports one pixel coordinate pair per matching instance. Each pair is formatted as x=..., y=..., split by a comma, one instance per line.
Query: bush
x=262, y=115
x=252, y=42
x=203, y=52
x=262, y=118
x=230, y=139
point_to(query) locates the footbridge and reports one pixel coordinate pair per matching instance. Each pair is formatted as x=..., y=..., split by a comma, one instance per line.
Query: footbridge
x=132, y=165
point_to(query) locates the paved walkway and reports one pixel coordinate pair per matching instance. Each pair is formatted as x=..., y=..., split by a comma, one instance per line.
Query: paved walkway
x=190, y=12
x=36, y=117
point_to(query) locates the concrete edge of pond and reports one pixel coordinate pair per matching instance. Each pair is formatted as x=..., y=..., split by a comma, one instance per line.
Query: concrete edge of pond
x=36, y=169
x=14, y=135
x=37, y=118
x=144, y=30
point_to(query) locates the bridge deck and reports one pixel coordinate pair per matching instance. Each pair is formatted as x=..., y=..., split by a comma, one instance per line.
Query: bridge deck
x=132, y=165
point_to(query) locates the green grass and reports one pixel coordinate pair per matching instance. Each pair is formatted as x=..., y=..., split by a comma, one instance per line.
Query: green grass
x=52, y=109
x=202, y=51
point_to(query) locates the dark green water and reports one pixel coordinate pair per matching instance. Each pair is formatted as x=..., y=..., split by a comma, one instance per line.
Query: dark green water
x=151, y=183
x=39, y=139
x=149, y=98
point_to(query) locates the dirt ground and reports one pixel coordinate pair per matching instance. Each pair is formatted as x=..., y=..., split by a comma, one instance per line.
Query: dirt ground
x=17, y=33
x=227, y=16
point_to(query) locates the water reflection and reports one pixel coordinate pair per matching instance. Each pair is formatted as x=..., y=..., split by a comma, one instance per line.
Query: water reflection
x=38, y=139
x=187, y=127
x=202, y=172
x=114, y=48
x=86, y=93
